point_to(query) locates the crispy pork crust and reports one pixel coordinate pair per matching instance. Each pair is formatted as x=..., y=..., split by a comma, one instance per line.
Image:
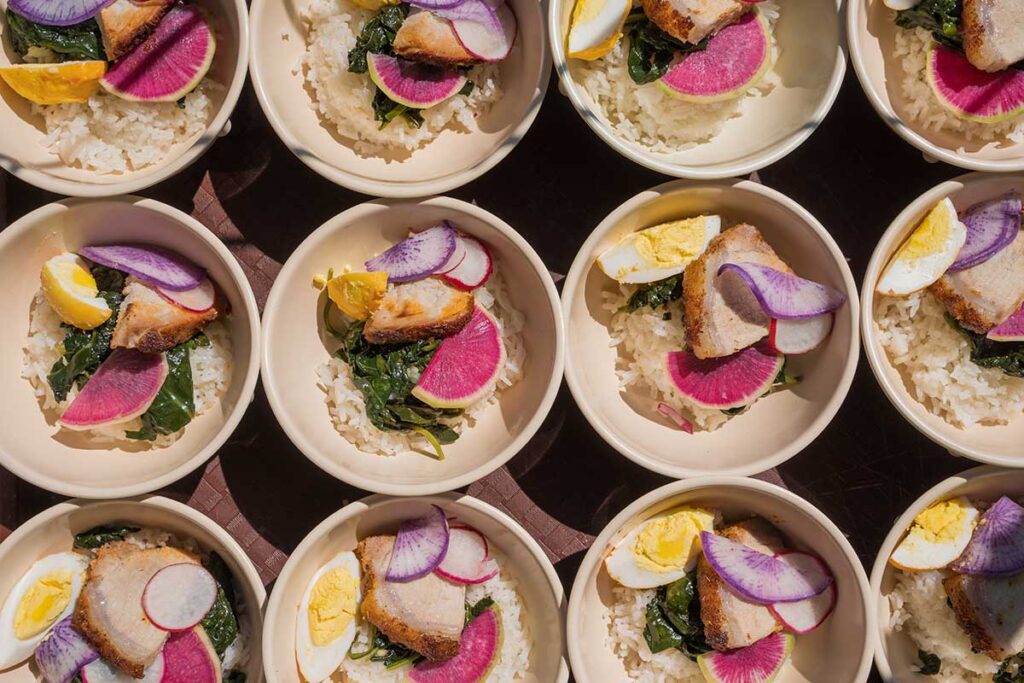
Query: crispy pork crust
x=405, y=316
x=124, y=25
x=966, y=616
x=424, y=37
x=151, y=324
x=678, y=25
x=960, y=308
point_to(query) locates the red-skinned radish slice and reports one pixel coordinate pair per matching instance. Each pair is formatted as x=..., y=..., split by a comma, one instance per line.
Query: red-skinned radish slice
x=802, y=335
x=997, y=546
x=63, y=653
x=122, y=388
x=453, y=523
x=487, y=32
x=723, y=383
x=1011, y=329
x=189, y=657
x=101, y=672
x=57, y=12
x=197, y=299
x=178, y=596
x=677, y=417
x=761, y=578
x=783, y=295
x=156, y=266
x=475, y=268
x=806, y=615
x=466, y=561
x=455, y=260
x=420, y=546
x=991, y=227
x=417, y=256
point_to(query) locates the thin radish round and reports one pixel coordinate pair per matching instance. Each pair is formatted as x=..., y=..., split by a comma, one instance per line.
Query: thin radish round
x=101, y=672
x=197, y=299
x=157, y=266
x=991, y=227
x=455, y=259
x=677, y=417
x=63, y=653
x=417, y=256
x=1011, y=329
x=805, y=615
x=783, y=295
x=178, y=596
x=420, y=546
x=475, y=268
x=485, y=30
x=997, y=546
x=762, y=578
x=58, y=12
x=435, y=4
x=454, y=523
x=802, y=335
x=466, y=560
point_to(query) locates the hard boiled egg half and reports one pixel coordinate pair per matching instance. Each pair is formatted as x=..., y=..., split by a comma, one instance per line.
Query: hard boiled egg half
x=595, y=27
x=327, y=620
x=661, y=550
x=660, y=251
x=43, y=596
x=927, y=254
x=937, y=537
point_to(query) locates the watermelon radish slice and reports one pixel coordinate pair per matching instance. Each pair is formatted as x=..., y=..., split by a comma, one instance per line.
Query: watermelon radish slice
x=801, y=335
x=761, y=578
x=677, y=417
x=757, y=663
x=783, y=295
x=167, y=65
x=156, y=266
x=178, y=596
x=417, y=256
x=474, y=269
x=465, y=367
x=1011, y=329
x=487, y=32
x=991, y=227
x=479, y=650
x=189, y=657
x=466, y=561
x=728, y=382
x=971, y=93
x=416, y=85
x=197, y=299
x=101, y=672
x=736, y=58
x=806, y=615
x=122, y=388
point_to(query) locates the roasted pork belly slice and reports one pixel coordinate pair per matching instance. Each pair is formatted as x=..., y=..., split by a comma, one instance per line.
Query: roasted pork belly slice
x=425, y=37
x=426, y=614
x=722, y=315
x=993, y=33
x=109, y=609
x=124, y=24
x=693, y=20
x=987, y=294
x=150, y=323
x=424, y=309
x=990, y=610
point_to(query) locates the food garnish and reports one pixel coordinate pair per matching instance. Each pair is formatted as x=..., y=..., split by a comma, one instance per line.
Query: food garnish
x=154, y=265
x=420, y=546
x=63, y=653
x=969, y=92
x=479, y=651
x=1010, y=330
x=799, y=335
x=806, y=615
x=997, y=546
x=413, y=84
x=57, y=12
x=783, y=295
x=122, y=388
x=757, y=663
x=178, y=596
x=728, y=382
x=991, y=227
x=473, y=268
x=467, y=559
x=417, y=256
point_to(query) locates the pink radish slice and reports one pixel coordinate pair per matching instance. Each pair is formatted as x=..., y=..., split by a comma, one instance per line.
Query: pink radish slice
x=475, y=268
x=762, y=578
x=783, y=295
x=418, y=256
x=420, y=546
x=479, y=648
x=189, y=657
x=801, y=335
x=157, y=266
x=435, y=4
x=997, y=546
x=806, y=615
x=1011, y=329
x=178, y=596
x=489, y=38
x=458, y=255
x=122, y=388
x=101, y=672
x=197, y=299
x=466, y=560
x=455, y=524
x=63, y=652
x=724, y=383
x=991, y=227
x=677, y=417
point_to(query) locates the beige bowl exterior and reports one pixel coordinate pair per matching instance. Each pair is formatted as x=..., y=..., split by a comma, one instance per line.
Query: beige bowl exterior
x=995, y=445
x=811, y=67
x=296, y=345
x=54, y=529
x=895, y=652
x=839, y=651
x=871, y=33
x=777, y=427
x=21, y=147
x=452, y=159
x=520, y=556
x=34, y=448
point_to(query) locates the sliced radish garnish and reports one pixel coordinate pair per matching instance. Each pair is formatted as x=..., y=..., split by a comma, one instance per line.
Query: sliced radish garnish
x=197, y=299
x=475, y=268
x=763, y=578
x=783, y=295
x=1011, y=329
x=454, y=523
x=466, y=560
x=417, y=256
x=486, y=32
x=456, y=258
x=677, y=417
x=801, y=335
x=101, y=672
x=178, y=596
x=991, y=227
x=805, y=615
x=997, y=546
x=420, y=546
x=63, y=652
x=156, y=266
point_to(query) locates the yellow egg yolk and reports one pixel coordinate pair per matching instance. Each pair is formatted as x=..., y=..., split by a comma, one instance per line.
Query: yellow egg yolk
x=669, y=244
x=941, y=523
x=332, y=606
x=42, y=603
x=930, y=236
x=358, y=295
x=671, y=542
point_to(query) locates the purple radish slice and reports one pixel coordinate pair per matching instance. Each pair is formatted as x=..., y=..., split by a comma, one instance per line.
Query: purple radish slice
x=1011, y=329
x=57, y=12
x=971, y=93
x=479, y=650
x=169, y=63
x=101, y=672
x=806, y=615
x=432, y=5
x=416, y=85
x=475, y=269
x=997, y=546
x=801, y=335
x=677, y=417
x=761, y=578
x=160, y=267
x=783, y=295
x=63, y=653
x=487, y=32
x=122, y=388
x=178, y=596
x=197, y=299
x=189, y=657
x=420, y=546
x=466, y=561
x=757, y=663
x=991, y=227
x=457, y=257
x=417, y=256
x=728, y=382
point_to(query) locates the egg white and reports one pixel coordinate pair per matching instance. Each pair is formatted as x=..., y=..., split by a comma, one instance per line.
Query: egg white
x=318, y=663
x=902, y=277
x=621, y=563
x=593, y=32
x=918, y=554
x=625, y=264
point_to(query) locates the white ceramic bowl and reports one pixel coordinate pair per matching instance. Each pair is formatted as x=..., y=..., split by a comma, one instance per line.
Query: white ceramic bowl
x=68, y=462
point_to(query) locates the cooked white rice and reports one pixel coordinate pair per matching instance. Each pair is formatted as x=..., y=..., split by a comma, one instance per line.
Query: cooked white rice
x=345, y=99
x=348, y=409
x=645, y=116
x=211, y=373
x=935, y=361
x=919, y=609
x=923, y=107
x=514, y=660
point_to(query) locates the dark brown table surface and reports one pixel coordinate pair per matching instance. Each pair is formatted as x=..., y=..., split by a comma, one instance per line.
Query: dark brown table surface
x=853, y=174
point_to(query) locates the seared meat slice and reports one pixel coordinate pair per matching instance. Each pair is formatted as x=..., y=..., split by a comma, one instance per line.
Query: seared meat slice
x=990, y=610
x=426, y=37
x=424, y=309
x=152, y=324
x=425, y=614
x=124, y=24
x=987, y=294
x=730, y=621
x=993, y=33
x=722, y=315
x=692, y=20
x=109, y=609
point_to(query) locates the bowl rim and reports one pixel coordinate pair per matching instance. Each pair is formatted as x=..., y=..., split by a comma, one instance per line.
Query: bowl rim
x=387, y=188
x=854, y=8
x=218, y=126
x=248, y=383
x=902, y=523
x=595, y=553
x=336, y=225
x=576, y=278
x=362, y=506
x=900, y=398
x=651, y=160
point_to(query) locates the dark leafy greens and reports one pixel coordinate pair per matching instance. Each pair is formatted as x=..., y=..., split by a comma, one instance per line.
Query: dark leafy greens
x=654, y=295
x=1010, y=671
x=174, y=405
x=387, y=110
x=481, y=606
x=928, y=664
x=78, y=42
x=381, y=649
x=986, y=353
x=651, y=50
x=942, y=18
x=221, y=622
x=101, y=535
x=673, y=619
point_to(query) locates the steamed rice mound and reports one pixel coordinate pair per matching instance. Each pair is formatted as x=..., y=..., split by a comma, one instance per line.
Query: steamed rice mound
x=626, y=619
